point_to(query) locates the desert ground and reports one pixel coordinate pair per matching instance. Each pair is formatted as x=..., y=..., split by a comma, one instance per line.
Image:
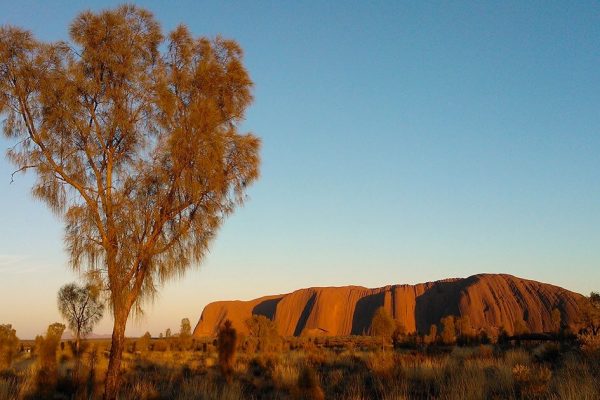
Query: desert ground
x=353, y=367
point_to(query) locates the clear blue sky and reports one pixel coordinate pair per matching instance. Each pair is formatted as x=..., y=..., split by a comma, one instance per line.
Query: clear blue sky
x=402, y=142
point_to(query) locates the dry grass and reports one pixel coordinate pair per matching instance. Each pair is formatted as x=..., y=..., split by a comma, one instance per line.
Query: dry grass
x=349, y=371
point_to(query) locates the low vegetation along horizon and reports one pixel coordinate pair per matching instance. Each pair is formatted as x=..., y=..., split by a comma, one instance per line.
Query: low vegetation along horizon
x=450, y=361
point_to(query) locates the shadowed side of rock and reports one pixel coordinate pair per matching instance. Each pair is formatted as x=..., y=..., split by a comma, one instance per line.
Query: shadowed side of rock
x=491, y=301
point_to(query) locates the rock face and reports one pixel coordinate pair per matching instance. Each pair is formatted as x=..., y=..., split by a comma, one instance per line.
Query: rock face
x=491, y=301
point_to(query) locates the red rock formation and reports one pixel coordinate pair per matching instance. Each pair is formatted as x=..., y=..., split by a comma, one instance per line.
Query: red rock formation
x=491, y=301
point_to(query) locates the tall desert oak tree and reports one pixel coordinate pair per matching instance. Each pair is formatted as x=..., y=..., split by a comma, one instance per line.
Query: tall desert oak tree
x=135, y=142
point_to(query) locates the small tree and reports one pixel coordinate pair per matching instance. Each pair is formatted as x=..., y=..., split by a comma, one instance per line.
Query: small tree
x=464, y=331
x=226, y=343
x=556, y=320
x=145, y=341
x=399, y=333
x=448, y=330
x=168, y=333
x=432, y=336
x=264, y=332
x=589, y=313
x=82, y=308
x=185, y=334
x=382, y=325
x=186, y=328
x=9, y=343
x=47, y=373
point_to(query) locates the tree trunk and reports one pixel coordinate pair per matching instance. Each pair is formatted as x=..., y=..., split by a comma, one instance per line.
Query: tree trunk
x=77, y=341
x=111, y=387
x=77, y=358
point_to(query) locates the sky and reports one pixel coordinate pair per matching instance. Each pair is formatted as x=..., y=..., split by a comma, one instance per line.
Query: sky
x=403, y=142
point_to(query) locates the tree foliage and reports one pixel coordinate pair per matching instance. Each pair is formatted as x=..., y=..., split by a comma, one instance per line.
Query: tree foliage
x=589, y=313
x=263, y=332
x=47, y=374
x=185, y=329
x=382, y=325
x=448, y=329
x=145, y=341
x=431, y=337
x=556, y=320
x=82, y=307
x=226, y=345
x=138, y=149
x=9, y=343
x=49, y=345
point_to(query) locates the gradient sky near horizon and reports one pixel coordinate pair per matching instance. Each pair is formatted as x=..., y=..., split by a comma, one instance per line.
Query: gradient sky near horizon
x=402, y=142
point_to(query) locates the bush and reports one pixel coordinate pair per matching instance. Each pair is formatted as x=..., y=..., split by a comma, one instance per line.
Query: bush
x=47, y=374
x=308, y=384
x=263, y=332
x=9, y=344
x=227, y=342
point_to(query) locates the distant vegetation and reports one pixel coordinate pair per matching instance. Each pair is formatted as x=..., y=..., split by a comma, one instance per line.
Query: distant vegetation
x=451, y=362
x=81, y=307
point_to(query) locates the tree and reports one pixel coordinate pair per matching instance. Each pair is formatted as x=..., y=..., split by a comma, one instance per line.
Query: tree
x=47, y=373
x=464, y=331
x=185, y=334
x=399, y=333
x=186, y=328
x=226, y=344
x=382, y=325
x=81, y=307
x=448, y=330
x=589, y=313
x=264, y=332
x=145, y=341
x=9, y=343
x=432, y=336
x=556, y=320
x=168, y=333
x=136, y=147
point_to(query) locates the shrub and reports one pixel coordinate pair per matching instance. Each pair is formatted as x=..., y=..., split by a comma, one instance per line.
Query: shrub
x=448, y=330
x=264, y=332
x=9, y=344
x=145, y=342
x=432, y=337
x=47, y=374
x=382, y=325
x=590, y=344
x=308, y=384
x=227, y=342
